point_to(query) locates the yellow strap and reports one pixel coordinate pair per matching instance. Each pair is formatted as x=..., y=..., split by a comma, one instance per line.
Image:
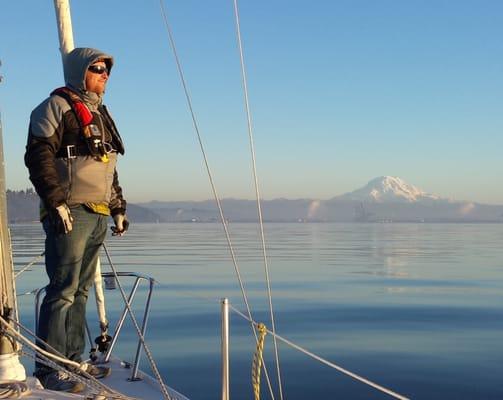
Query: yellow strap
x=257, y=360
x=98, y=208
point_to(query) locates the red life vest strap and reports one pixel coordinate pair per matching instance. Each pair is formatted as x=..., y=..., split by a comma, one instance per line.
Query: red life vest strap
x=82, y=112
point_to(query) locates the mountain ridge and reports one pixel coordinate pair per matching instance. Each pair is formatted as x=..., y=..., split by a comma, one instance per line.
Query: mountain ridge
x=383, y=199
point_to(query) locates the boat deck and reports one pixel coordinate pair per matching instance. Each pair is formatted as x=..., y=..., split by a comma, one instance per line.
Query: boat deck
x=144, y=388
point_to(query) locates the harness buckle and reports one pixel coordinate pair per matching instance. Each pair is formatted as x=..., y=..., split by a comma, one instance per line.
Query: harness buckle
x=71, y=152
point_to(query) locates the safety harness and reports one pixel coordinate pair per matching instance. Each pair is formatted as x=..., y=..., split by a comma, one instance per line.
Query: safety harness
x=94, y=144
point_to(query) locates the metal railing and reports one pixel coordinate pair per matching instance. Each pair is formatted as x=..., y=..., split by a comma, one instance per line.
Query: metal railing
x=226, y=306
x=225, y=348
x=109, y=276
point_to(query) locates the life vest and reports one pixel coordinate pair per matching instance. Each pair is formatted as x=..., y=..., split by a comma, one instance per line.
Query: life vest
x=90, y=132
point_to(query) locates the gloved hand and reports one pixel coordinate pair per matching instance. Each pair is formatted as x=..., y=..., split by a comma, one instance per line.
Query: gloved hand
x=61, y=219
x=121, y=225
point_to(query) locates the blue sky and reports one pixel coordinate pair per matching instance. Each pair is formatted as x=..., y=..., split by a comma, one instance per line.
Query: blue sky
x=340, y=92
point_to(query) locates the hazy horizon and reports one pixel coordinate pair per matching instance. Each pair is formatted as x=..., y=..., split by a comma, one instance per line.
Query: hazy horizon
x=211, y=199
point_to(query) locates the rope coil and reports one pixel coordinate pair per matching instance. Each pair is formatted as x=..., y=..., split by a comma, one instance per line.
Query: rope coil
x=257, y=360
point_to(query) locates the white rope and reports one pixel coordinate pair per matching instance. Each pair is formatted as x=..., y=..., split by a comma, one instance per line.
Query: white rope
x=31, y=292
x=257, y=192
x=42, y=351
x=4, y=300
x=153, y=365
x=3, y=291
x=210, y=176
x=12, y=390
x=29, y=264
x=45, y=359
x=326, y=362
x=88, y=380
x=96, y=388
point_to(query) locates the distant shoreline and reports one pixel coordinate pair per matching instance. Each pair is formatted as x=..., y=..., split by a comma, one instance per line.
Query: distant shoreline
x=297, y=222
x=23, y=207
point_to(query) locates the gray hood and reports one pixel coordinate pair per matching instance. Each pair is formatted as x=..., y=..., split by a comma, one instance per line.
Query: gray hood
x=76, y=63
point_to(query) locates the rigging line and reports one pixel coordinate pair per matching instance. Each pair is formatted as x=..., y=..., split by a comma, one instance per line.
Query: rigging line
x=44, y=354
x=257, y=190
x=98, y=389
x=326, y=362
x=153, y=365
x=31, y=292
x=4, y=297
x=29, y=264
x=10, y=390
x=210, y=176
x=15, y=335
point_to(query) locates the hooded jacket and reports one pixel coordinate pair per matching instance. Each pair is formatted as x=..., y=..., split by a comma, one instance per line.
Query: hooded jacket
x=60, y=168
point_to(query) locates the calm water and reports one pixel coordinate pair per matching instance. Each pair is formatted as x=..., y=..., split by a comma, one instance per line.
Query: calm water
x=417, y=308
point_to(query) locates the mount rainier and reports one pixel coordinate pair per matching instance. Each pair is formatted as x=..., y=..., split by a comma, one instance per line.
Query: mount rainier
x=389, y=189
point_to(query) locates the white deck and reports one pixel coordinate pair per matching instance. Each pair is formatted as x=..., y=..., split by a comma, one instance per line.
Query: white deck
x=147, y=388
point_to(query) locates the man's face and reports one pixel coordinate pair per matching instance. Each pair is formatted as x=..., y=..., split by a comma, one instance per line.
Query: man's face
x=97, y=77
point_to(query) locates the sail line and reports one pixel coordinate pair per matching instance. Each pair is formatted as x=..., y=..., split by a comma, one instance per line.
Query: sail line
x=210, y=176
x=257, y=192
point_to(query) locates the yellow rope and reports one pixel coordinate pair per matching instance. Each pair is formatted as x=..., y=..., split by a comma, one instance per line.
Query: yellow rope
x=257, y=360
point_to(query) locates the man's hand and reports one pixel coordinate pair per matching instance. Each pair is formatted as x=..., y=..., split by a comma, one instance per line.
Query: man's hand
x=121, y=225
x=61, y=219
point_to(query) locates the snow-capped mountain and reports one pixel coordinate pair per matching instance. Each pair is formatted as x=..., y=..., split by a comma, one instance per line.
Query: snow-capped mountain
x=387, y=189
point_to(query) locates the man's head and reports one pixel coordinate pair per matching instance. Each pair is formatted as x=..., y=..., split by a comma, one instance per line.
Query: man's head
x=97, y=77
x=84, y=69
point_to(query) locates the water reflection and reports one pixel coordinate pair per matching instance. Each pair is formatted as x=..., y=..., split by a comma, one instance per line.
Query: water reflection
x=401, y=303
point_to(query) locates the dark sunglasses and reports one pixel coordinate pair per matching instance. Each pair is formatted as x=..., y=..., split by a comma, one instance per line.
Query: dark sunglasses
x=98, y=69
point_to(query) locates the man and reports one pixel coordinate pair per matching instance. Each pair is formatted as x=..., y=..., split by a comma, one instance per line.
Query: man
x=71, y=156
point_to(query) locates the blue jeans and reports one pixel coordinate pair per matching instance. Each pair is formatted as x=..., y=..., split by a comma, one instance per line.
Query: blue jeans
x=70, y=262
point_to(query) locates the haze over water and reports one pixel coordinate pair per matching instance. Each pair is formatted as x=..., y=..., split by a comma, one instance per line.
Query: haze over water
x=417, y=308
